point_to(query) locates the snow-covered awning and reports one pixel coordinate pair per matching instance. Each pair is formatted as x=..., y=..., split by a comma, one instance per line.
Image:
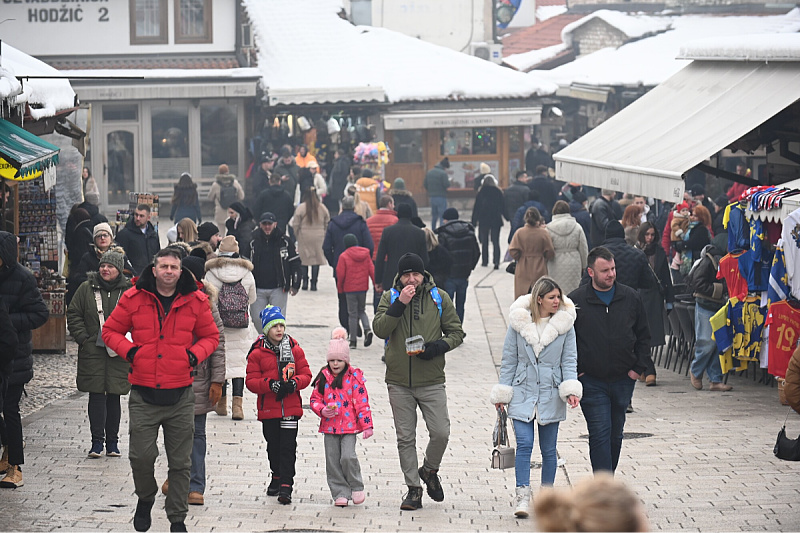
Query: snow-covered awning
x=463, y=118
x=315, y=47
x=44, y=97
x=648, y=146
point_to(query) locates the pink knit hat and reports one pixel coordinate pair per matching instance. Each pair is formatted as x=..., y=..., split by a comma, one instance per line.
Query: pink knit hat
x=339, y=348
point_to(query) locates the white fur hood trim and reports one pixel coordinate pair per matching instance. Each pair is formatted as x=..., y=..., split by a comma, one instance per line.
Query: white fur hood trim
x=521, y=320
x=501, y=394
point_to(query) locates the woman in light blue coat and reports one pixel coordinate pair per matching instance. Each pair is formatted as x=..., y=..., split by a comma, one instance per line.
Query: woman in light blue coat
x=538, y=378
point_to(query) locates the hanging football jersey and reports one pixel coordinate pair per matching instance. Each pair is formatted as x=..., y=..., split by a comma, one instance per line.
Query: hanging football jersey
x=784, y=322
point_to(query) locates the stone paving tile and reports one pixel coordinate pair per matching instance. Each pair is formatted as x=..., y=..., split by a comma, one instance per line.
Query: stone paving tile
x=708, y=465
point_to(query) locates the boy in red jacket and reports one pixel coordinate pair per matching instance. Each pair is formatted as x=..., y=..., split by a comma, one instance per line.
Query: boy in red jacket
x=276, y=370
x=353, y=272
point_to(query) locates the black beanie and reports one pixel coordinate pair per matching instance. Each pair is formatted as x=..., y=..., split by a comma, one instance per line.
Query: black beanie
x=410, y=263
x=350, y=240
x=614, y=229
x=451, y=213
x=404, y=211
x=195, y=265
x=206, y=230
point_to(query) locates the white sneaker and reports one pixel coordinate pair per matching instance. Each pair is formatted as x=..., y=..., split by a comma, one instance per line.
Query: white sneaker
x=522, y=502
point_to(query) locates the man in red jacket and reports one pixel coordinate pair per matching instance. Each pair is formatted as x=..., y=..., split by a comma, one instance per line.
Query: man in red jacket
x=172, y=330
x=380, y=220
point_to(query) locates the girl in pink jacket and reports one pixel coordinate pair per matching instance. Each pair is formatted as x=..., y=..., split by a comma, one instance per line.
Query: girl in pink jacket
x=340, y=399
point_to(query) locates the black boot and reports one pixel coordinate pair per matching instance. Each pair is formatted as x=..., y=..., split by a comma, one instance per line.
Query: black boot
x=313, y=284
x=413, y=499
x=142, y=519
x=177, y=526
x=305, y=284
x=285, y=494
x=274, y=486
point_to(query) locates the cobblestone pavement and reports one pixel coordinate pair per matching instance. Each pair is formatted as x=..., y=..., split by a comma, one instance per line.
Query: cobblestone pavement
x=700, y=461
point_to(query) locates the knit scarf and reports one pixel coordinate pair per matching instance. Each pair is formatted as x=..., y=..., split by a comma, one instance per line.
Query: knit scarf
x=283, y=352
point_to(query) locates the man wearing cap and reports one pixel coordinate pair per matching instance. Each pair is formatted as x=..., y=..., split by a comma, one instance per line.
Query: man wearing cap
x=139, y=238
x=172, y=331
x=414, y=306
x=699, y=196
x=274, y=199
x=276, y=266
x=397, y=240
x=209, y=232
x=458, y=237
x=369, y=189
x=333, y=245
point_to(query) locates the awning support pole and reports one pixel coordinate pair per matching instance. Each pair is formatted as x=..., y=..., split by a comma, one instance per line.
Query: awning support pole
x=727, y=175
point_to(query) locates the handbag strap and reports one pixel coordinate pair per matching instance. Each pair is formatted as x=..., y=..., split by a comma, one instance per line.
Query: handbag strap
x=503, y=418
x=787, y=417
x=99, y=300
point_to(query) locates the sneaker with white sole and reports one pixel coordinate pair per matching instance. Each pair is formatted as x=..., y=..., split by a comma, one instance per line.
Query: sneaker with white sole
x=97, y=449
x=522, y=502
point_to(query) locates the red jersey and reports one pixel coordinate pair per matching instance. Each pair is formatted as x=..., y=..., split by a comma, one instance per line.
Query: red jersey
x=784, y=323
x=729, y=269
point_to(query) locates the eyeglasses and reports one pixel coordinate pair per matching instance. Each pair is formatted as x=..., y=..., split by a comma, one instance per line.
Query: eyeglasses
x=102, y=236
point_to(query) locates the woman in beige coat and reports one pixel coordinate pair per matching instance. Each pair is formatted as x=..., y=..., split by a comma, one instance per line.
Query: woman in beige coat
x=571, y=249
x=531, y=248
x=310, y=221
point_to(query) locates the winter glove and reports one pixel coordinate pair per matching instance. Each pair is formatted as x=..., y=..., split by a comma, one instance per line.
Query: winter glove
x=215, y=393
x=286, y=388
x=192, y=359
x=275, y=386
x=328, y=411
x=433, y=349
x=367, y=433
x=131, y=353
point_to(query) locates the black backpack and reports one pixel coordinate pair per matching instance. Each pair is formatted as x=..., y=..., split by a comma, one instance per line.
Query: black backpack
x=227, y=194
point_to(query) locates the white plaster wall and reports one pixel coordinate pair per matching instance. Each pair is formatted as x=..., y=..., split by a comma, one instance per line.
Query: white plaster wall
x=99, y=27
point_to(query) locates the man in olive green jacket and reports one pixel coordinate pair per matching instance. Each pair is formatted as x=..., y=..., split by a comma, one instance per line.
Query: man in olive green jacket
x=415, y=306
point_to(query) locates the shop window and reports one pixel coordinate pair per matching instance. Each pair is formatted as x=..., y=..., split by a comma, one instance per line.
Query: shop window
x=219, y=137
x=148, y=21
x=120, y=113
x=170, y=138
x=193, y=21
x=407, y=146
x=468, y=141
x=515, y=139
x=120, y=157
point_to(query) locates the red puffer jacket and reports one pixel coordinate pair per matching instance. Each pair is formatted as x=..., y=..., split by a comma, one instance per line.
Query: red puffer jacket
x=262, y=366
x=354, y=270
x=161, y=361
x=380, y=220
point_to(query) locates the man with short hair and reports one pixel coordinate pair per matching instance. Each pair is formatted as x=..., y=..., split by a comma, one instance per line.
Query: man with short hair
x=458, y=237
x=274, y=199
x=139, y=239
x=289, y=173
x=209, y=232
x=603, y=209
x=276, y=266
x=379, y=221
x=412, y=306
x=613, y=341
x=515, y=195
x=172, y=331
x=436, y=183
x=545, y=186
x=397, y=240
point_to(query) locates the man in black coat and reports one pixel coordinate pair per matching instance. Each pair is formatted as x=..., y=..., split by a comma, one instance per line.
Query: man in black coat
x=336, y=182
x=515, y=195
x=139, y=239
x=27, y=311
x=633, y=268
x=603, y=209
x=274, y=199
x=396, y=241
x=288, y=171
x=613, y=342
x=458, y=237
x=545, y=186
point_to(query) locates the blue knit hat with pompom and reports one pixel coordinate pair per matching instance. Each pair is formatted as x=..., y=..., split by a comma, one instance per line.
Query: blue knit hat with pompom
x=270, y=316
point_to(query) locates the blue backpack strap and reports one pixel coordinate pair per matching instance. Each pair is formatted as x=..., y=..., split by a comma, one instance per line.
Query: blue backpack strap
x=393, y=294
x=437, y=299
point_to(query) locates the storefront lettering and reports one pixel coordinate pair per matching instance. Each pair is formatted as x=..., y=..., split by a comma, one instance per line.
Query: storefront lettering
x=62, y=13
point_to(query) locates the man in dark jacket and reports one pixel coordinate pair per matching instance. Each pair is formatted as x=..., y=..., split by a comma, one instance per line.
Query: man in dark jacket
x=515, y=195
x=27, y=311
x=333, y=245
x=336, y=182
x=458, y=237
x=276, y=267
x=259, y=178
x=436, y=183
x=139, y=239
x=396, y=241
x=603, y=209
x=577, y=208
x=288, y=171
x=274, y=199
x=545, y=186
x=632, y=267
x=710, y=295
x=613, y=343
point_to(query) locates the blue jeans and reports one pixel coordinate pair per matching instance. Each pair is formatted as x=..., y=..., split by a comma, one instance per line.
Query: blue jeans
x=197, y=483
x=457, y=289
x=603, y=405
x=438, y=205
x=548, y=435
x=706, y=357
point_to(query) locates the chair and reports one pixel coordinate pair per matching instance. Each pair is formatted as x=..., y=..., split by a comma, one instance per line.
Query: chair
x=687, y=334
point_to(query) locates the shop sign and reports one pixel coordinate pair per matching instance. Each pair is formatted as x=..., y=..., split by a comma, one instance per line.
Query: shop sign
x=7, y=171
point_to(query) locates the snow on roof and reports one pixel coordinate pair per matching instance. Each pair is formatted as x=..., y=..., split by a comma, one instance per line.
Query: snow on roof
x=652, y=60
x=526, y=60
x=163, y=73
x=764, y=47
x=45, y=97
x=633, y=25
x=548, y=12
x=9, y=84
x=313, y=48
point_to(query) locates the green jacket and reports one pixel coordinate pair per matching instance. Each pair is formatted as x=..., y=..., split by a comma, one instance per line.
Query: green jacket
x=397, y=321
x=97, y=372
x=437, y=181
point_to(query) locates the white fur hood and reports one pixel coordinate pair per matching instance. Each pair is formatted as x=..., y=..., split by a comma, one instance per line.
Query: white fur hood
x=560, y=323
x=229, y=270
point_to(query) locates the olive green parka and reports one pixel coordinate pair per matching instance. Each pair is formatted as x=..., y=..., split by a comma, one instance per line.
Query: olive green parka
x=97, y=371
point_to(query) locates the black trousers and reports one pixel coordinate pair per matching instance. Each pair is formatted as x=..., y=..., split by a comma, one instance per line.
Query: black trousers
x=314, y=273
x=11, y=429
x=281, y=448
x=104, y=417
x=483, y=234
x=238, y=387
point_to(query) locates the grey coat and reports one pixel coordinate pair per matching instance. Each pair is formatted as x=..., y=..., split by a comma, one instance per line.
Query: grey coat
x=537, y=374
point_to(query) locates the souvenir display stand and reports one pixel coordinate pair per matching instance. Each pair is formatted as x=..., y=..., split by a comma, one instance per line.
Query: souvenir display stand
x=134, y=199
x=38, y=251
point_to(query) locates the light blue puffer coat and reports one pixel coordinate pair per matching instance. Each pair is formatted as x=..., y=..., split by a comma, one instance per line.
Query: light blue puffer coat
x=537, y=374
